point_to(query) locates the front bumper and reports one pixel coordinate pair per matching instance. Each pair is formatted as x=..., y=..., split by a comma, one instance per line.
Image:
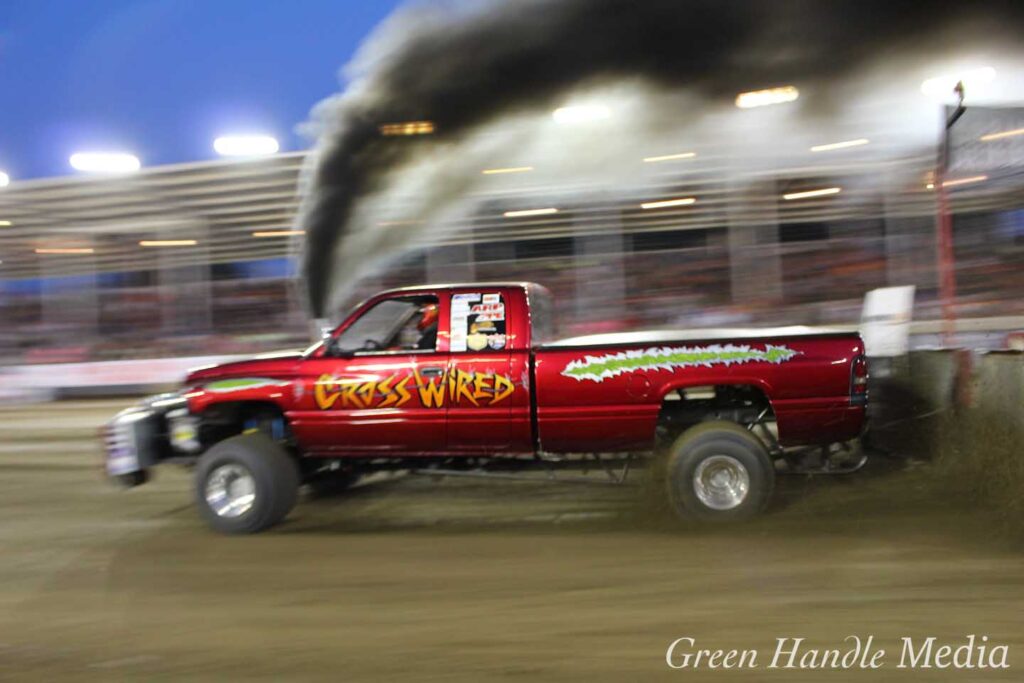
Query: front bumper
x=137, y=438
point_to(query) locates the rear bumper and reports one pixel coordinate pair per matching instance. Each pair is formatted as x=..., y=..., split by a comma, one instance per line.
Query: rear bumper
x=820, y=425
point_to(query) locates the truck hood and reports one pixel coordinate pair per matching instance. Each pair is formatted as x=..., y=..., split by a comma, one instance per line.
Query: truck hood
x=276, y=364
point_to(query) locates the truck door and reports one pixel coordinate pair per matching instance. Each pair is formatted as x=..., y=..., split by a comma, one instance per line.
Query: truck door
x=479, y=382
x=362, y=394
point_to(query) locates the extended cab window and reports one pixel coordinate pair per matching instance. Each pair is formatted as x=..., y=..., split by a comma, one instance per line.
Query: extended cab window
x=542, y=315
x=407, y=324
x=478, y=322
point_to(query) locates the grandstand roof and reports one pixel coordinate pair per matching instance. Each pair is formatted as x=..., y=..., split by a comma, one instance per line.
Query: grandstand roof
x=221, y=204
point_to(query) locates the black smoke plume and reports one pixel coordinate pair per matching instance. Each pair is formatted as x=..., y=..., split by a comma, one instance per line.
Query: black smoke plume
x=460, y=66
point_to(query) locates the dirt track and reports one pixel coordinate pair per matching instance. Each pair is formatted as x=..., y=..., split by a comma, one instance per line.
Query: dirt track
x=467, y=580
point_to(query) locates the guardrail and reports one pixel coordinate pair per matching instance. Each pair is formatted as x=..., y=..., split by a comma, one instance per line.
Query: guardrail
x=54, y=380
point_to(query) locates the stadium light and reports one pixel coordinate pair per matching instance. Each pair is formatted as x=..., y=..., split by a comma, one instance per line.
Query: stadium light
x=245, y=145
x=840, y=145
x=670, y=157
x=407, y=128
x=278, y=233
x=65, y=250
x=683, y=201
x=5, y=179
x=168, y=243
x=996, y=136
x=581, y=113
x=395, y=224
x=942, y=86
x=104, y=162
x=953, y=182
x=764, y=98
x=530, y=212
x=511, y=169
x=808, y=194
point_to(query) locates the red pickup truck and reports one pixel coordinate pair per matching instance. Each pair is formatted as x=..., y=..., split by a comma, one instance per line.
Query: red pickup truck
x=465, y=379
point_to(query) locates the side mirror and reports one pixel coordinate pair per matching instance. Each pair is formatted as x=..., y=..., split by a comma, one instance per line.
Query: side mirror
x=332, y=349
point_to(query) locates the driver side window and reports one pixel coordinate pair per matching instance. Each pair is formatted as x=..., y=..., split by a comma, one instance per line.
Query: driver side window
x=407, y=324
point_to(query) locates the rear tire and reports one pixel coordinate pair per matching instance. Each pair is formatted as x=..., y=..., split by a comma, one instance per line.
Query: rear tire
x=246, y=484
x=718, y=472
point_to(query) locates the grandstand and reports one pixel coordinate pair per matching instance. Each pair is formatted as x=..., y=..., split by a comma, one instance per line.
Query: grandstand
x=87, y=271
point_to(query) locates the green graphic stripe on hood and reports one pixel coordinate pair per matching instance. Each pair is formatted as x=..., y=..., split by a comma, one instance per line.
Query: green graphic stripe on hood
x=238, y=383
x=599, y=368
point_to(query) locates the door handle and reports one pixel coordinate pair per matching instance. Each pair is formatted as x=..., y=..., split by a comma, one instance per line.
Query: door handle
x=432, y=371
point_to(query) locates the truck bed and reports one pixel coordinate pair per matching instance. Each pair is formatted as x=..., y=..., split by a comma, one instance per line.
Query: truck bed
x=805, y=374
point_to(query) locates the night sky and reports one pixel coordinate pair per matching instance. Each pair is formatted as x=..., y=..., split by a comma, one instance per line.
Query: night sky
x=163, y=78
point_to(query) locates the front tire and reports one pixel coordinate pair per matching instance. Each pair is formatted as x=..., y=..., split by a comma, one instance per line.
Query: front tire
x=719, y=472
x=246, y=484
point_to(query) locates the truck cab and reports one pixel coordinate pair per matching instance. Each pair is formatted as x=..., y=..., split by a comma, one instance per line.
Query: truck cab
x=416, y=371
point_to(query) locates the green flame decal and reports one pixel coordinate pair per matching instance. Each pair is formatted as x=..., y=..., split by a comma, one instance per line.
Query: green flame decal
x=599, y=368
x=238, y=383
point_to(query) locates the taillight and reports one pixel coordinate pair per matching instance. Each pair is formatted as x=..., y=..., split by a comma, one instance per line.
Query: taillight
x=859, y=381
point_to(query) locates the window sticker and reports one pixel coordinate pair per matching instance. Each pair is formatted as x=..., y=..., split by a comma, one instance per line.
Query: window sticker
x=488, y=312
x=461, y=304
x=477, y=322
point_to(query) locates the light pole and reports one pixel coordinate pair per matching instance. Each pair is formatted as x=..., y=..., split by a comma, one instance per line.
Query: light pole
x=944, y=238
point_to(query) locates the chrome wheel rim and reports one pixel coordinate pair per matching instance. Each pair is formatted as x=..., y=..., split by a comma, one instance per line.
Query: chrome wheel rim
x=230, y=491
x=721, y=482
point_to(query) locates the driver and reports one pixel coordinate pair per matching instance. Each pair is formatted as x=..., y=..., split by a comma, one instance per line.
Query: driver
x=427, y=327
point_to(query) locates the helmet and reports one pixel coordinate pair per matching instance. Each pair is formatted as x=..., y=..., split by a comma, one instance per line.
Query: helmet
x=428, y=317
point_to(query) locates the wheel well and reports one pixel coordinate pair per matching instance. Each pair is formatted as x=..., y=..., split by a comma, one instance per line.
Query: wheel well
x=222, y=420
x=685, y=407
